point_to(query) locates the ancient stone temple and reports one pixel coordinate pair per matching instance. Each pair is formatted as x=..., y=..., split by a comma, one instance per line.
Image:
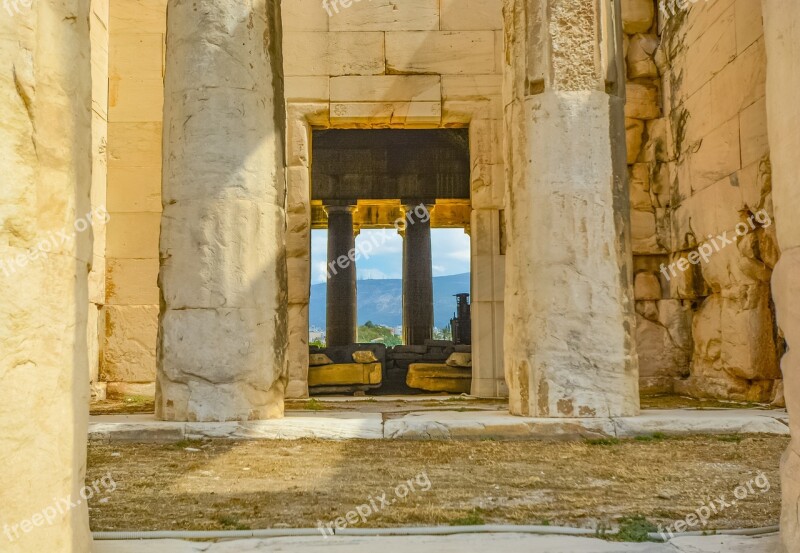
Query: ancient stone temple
x=625, y=170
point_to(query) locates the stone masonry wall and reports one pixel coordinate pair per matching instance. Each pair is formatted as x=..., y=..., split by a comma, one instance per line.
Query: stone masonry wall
x=714, y=154
x=663, y=319
x=135, y=100
x=98, y=32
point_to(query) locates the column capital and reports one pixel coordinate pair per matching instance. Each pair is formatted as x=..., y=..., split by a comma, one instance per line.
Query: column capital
x=340, y=208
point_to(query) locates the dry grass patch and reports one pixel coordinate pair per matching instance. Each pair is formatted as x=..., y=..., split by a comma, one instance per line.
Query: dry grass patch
x=268, y=484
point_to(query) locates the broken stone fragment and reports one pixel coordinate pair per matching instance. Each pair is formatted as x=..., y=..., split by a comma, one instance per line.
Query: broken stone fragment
x=364, y=356
x=460, y=360
x=317, y=359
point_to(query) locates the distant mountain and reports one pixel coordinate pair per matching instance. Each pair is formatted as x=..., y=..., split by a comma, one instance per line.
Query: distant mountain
x=380, y=301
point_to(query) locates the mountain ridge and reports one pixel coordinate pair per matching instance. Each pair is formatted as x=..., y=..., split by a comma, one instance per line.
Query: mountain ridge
x=380, y=300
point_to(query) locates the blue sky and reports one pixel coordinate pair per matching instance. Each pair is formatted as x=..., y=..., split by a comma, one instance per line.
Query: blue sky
x=450, y=252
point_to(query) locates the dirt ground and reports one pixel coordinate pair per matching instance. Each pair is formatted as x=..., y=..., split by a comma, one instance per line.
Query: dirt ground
x=272, y=484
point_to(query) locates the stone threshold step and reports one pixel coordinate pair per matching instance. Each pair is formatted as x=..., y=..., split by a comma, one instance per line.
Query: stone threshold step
x=459, y=543
x=442, y=425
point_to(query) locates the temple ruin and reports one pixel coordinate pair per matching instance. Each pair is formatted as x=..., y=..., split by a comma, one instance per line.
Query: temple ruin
x=624, y=169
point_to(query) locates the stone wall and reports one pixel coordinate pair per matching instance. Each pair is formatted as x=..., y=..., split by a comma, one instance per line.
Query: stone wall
x=663, y=320
x=98, y=31
x=713, y=152
x=135, y=101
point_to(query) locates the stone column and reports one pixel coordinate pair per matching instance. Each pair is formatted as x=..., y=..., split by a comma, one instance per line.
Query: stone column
x=45, y=256
x=569, y=349
x=222, y=336
x=341, y=314
x=417, y=275
x=782, y=36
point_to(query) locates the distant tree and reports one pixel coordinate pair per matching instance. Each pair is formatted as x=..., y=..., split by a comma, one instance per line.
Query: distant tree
x=444, y=334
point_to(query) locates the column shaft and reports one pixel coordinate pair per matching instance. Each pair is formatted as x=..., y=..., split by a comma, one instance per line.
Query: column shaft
x=45, y=141
x=342, y=304
x=782, y=39
x=569, y=348
x=417, y=276
x=223, y=324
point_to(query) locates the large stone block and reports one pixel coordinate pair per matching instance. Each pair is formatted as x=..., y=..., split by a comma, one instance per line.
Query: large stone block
x=640, y=54
x=133, y=235
x=132, y=282
x=664, y=344
x=642, y=102
x=129, y=353
x=471, y=15
x=435, y=377
x=134, y=144
x=346, y=374
x=637, y=16
x=331, y=54
x=387, y=88
x=386, y=15
x=445, y=52
x=137, y=16
x=134, y=189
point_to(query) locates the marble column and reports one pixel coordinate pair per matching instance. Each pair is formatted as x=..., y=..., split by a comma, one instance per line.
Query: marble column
x=782, y=38
x=569, y=318
x=341, y=314
x=222, y=340
x=417, y=275
x=45, y=256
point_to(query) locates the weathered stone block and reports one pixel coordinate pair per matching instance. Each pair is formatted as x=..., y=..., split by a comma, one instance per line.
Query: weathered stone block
x=331, y=54
x=129, y=354
x=344, y=374
x=471, y=15
x=434, y=377
x=386, y=88
x=446, y=52
x=637, y=16
x=642, y=102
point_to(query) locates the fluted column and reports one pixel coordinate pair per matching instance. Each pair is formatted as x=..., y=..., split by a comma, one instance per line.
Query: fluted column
x=417, y=275
x=569, y=347
x=782, y=38
x=223, y=324
x=341, y=314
